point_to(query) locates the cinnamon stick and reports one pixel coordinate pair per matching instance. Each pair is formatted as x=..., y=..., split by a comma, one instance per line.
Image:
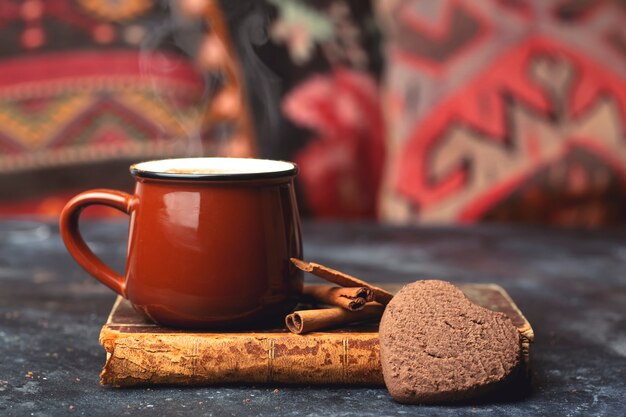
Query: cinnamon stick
x=342, y=279
x=352, y=299
x=306, y=321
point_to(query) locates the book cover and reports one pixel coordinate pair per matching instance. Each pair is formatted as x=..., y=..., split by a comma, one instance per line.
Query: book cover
x=140, y=352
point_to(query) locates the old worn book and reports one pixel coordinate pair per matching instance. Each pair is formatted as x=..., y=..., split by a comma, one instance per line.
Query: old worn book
x=140, y=352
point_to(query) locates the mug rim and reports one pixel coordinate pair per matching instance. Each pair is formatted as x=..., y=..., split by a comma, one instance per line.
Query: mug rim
x=137, y=171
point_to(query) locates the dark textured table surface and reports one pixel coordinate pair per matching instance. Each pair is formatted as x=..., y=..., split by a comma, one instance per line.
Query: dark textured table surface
x=570, y=285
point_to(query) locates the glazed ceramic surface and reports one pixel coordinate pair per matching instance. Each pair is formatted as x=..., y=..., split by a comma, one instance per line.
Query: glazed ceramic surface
x=204, y=249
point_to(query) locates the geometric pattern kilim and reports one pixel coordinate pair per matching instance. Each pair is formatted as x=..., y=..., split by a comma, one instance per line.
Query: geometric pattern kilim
x=88, y=87
x=505, y=110
x=55, y=120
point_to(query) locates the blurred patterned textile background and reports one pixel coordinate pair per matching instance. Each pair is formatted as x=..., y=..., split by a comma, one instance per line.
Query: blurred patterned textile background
x=89, y=86
x=505, y=110
x=410, y=111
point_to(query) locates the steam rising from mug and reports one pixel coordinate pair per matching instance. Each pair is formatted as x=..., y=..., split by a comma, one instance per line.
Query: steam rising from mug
x=248, y=21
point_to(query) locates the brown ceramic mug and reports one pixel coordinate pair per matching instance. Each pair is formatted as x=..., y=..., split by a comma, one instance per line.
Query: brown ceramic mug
x=209, y=241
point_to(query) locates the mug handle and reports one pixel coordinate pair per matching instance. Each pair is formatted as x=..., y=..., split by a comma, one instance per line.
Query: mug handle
x=75, y=243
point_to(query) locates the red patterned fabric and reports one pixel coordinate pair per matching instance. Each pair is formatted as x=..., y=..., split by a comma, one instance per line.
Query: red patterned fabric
x=505, y=110
x=327, y=57
x=86, y=88
x=342, y=164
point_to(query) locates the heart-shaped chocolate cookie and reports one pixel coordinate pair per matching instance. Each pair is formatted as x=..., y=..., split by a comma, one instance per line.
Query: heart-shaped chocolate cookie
x=438, y=346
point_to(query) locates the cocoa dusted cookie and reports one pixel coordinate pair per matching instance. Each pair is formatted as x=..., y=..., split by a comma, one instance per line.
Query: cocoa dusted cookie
x=438, y=346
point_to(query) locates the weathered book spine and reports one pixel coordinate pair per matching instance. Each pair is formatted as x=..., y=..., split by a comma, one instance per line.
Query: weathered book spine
x=143, y=353
x=203, y=359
